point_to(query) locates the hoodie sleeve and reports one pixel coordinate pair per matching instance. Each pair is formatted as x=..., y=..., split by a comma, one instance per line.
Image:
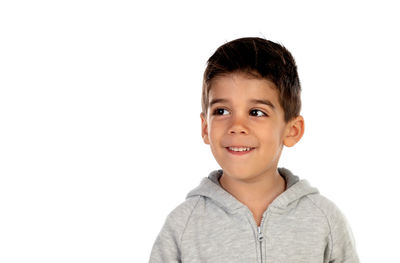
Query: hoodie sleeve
x=166, y=248
x=342, y=243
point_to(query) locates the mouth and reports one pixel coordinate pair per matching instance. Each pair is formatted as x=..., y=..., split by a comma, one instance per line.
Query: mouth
x=239, y=150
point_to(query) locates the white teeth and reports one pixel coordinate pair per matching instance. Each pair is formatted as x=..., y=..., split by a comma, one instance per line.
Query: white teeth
x=239, y=149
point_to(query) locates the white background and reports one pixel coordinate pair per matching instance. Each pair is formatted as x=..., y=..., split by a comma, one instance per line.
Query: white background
x=100, y=127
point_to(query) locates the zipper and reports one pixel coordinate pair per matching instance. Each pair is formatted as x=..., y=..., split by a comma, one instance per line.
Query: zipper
x=260, y=237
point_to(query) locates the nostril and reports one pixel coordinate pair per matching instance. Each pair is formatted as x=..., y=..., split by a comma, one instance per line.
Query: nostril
x=241, y=131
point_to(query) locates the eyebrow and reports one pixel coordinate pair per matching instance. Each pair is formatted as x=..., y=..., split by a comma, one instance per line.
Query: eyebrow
x=255, y=101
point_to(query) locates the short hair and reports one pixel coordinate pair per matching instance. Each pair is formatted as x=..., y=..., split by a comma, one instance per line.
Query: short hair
x=260, y=58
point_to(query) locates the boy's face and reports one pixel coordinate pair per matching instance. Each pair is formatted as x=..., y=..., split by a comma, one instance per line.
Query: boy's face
x=244, y=112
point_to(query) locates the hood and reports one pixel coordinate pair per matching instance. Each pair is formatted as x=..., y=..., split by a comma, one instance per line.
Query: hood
x=295, y=189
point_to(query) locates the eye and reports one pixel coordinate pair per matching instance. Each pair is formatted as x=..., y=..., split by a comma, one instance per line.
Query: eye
x=219, y=111
x=257, y=113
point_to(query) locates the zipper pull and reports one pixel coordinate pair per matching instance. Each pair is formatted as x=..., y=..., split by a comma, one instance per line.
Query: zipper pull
x=260, y=235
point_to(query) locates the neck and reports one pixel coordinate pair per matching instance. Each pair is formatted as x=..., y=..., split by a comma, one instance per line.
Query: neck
x=256, y=193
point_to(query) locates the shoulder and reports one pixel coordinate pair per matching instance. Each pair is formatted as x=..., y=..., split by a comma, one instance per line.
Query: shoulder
x=329, y=209
x=176, y=221
x=183, y=211
x=341, y=240
x=166, y=248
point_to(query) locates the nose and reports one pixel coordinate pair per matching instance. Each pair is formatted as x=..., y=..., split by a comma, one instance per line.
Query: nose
x=238, y=126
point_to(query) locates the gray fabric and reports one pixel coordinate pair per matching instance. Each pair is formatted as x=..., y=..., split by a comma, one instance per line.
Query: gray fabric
x=299, y=226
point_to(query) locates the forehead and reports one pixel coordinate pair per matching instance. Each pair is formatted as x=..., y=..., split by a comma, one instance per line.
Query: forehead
x=238, y=87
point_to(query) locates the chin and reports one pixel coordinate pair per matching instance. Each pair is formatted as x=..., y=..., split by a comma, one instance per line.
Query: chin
x=239, y=173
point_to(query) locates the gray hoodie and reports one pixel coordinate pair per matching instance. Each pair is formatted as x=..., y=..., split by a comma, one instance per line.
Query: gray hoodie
x=299, y=226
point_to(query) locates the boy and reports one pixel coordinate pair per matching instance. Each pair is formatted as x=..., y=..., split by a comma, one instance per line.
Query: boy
x=251, y=210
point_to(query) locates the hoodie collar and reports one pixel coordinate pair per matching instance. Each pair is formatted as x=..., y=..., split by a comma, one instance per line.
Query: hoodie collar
x=211, y=188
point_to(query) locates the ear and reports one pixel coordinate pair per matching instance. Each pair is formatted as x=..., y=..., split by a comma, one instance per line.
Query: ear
x=204, y=128
x=294, y=131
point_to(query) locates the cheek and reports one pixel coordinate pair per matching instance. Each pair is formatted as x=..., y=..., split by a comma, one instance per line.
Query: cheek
x=215, y=130
x=271, y=138
x=212, y=136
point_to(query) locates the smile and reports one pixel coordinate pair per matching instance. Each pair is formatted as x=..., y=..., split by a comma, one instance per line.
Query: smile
x=241, y=150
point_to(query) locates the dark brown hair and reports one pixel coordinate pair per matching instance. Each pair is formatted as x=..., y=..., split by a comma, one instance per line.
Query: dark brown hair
x=260, y=58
